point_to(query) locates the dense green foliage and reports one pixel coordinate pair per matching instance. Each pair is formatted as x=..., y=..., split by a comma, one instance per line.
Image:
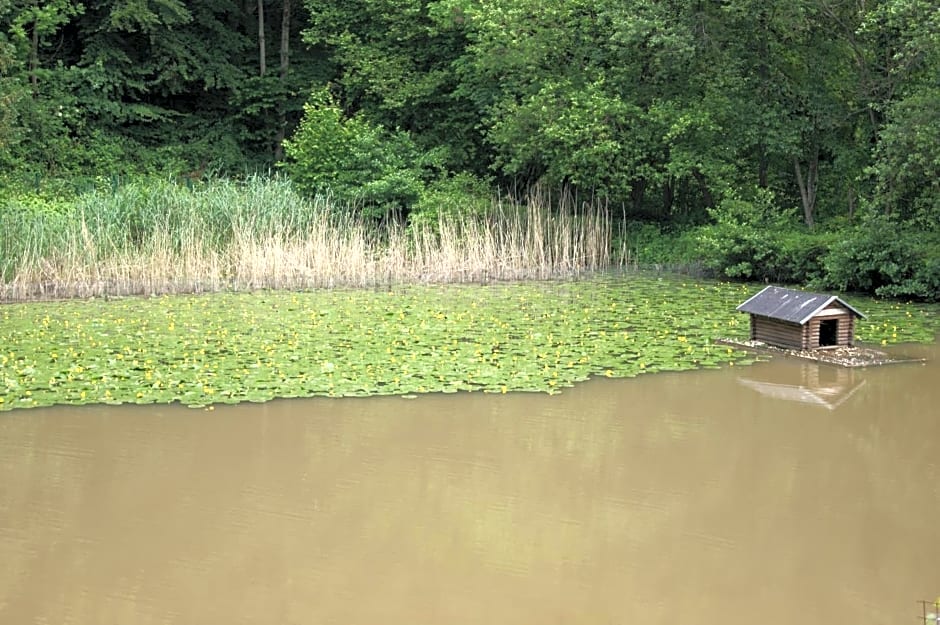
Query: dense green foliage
x=786, y=137
x=881, y=257
x=359, y=163
x=119, y=87
x=524, y=337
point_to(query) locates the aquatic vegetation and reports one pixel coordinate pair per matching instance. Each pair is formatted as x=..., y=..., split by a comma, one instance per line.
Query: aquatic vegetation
x=889, y=322
x=500, y=338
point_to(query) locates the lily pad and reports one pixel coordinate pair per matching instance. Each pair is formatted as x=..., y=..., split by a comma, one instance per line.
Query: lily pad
x=230, y=347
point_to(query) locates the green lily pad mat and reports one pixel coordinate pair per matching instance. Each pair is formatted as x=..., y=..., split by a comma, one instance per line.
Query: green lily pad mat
x=235, y=347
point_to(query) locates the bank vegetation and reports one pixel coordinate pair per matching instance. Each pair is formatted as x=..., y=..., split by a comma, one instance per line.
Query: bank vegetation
x=155, y=237
x=793, y=141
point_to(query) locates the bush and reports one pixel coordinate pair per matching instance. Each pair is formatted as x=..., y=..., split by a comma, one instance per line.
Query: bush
x=646, y=243
x=358, y=163
x=799, y=256
x=461, y=194
x=888, y=259
x=753, y=240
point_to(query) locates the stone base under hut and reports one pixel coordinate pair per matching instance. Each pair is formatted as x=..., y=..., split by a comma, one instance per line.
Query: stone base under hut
x=841, y=356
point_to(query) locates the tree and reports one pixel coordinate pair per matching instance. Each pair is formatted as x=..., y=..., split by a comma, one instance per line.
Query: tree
x=10, y=95
x=262, y=49
x=37, y=109
x=394, y=60
x=35, y=22
x=907, y=158
x=283, y=77
x=599, y=96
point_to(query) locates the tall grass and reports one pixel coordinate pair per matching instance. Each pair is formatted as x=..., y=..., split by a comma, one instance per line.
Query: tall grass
x=160, y=237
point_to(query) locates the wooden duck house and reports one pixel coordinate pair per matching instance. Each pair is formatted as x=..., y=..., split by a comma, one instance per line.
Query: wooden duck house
x=799, y=320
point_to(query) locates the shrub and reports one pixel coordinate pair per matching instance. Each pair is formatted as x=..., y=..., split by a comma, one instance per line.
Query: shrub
x=645, y=243
x=886, y=258
x=358, y=163
x=460, y=195
x=753, y=240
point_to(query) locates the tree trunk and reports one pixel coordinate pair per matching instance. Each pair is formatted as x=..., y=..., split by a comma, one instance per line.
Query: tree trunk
x=262, y=54
x=285, y=67
x=706, y=192
x=637, y=192
x=34, y=55
x=763, y=166
x=808, y=186
x=669, y=195
x=285, y=40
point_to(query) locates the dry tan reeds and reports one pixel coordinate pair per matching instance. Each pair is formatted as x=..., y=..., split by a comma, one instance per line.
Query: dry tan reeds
x=308, y=246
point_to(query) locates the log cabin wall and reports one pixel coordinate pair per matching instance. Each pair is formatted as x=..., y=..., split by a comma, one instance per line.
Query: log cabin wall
x=796, y=336
x=776, y=332
x=845, y=334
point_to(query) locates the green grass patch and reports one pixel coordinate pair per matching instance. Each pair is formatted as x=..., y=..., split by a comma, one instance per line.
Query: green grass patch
x=234, y=347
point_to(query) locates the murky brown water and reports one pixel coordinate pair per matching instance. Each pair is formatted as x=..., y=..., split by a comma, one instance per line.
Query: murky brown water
x=780, y=493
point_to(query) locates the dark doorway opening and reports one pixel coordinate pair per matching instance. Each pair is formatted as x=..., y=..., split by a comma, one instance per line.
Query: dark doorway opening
x=828, y=332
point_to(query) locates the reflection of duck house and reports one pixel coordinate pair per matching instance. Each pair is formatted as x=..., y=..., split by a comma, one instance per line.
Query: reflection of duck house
x=800, y=320
x=821, y=385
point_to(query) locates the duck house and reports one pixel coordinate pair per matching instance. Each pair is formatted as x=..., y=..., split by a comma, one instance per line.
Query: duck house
x=799, y=320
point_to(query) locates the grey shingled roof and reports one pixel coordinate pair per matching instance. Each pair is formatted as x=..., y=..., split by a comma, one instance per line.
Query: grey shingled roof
x=790, y=305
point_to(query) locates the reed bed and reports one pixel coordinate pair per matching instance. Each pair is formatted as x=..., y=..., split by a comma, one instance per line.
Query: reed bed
x=158, y=238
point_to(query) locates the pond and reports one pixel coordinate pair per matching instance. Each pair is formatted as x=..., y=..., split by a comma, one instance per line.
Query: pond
x=782, y=492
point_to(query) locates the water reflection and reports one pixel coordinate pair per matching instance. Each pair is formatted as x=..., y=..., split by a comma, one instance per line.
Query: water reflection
x=810, y=383
x=668, y=498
